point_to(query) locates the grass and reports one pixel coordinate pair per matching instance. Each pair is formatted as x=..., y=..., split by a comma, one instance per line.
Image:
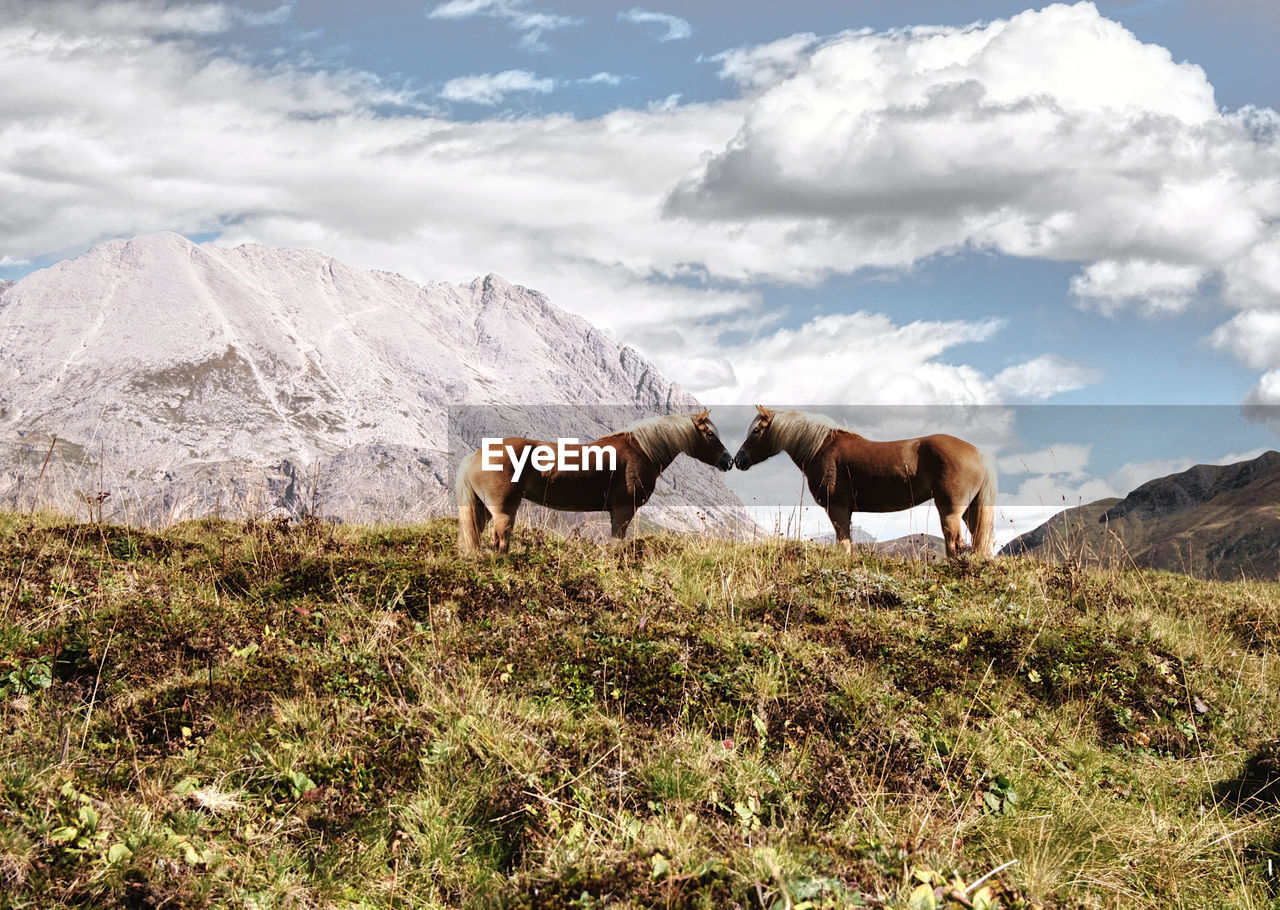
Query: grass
x=262, y=715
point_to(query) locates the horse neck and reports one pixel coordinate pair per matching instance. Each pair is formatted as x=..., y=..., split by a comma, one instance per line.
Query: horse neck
x=802, y=455
x=801, y=459
x=662, y=453
x=662, y=459
x=802, y=448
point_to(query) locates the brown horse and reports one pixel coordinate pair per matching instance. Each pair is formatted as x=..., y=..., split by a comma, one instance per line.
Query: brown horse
x=642, y=451
x=847, y=473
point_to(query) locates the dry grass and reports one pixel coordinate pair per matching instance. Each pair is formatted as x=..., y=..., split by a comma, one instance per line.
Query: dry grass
x=266, y=715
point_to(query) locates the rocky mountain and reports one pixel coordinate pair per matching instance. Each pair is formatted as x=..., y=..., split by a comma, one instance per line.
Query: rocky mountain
x=1214, y=521
x=157, y=379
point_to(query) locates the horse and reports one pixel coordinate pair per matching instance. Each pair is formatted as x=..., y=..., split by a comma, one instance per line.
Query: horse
x=642, y=452
x=848, y=473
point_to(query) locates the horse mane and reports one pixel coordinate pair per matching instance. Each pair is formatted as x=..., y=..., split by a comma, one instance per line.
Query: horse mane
x=800, y=433
x=661, y=439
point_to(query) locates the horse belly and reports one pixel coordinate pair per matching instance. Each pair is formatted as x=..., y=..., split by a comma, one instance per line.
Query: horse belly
x=577, y=491
x=879, y=493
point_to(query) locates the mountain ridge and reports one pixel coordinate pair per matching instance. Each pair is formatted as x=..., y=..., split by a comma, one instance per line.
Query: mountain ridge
x=1213, y=521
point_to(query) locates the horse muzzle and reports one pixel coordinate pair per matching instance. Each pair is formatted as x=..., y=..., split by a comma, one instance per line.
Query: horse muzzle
x=741, y=461
x=725, y=461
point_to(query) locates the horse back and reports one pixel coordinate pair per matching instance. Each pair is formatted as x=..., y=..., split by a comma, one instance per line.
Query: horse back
x=954, y=464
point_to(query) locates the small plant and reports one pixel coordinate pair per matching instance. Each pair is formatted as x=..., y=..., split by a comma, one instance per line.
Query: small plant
x=29, y=678
x=938, y=892
x=1000, y=797
x=82, y=833
x=299, y=783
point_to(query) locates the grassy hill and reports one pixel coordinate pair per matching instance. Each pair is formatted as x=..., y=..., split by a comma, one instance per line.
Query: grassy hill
x=271, y=716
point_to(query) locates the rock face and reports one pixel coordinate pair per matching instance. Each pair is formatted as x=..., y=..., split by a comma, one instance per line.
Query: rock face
x=185, y=380
x=1215, y=521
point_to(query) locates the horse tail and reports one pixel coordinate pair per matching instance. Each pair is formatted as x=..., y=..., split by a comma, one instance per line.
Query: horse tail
x=980, y=516
x=472, y=513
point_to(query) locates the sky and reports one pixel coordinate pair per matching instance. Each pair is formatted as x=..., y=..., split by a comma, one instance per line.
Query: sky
x=801, y=203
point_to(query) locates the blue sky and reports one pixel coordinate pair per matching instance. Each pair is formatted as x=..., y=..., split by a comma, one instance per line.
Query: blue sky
x=803, y=203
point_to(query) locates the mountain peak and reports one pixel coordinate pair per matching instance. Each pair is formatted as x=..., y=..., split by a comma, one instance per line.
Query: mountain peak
x=494, y=289
x=159, y=243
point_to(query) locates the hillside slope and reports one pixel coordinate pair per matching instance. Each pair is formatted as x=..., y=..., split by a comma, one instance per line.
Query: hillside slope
x=1213, y=521
x=274, y=715
x=187, y=380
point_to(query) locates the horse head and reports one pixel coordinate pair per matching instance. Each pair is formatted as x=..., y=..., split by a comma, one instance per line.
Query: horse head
x=707, y=446
x=759, y=444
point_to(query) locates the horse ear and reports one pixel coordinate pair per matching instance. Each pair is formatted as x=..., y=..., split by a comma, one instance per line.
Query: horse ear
x=698, y=418
x=764, y=412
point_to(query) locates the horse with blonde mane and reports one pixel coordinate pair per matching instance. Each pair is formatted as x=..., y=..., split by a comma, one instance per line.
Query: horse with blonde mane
x=642, y=452
x=848, y=473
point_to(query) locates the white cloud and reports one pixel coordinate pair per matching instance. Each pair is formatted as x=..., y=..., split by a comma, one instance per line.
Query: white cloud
x=666, y=105
x=492, y=88
x=1065, y=460
x=1152, y=285
x=604, y=78
x=1057, y=492
x=1253, y=279
x=1054, y=134
x=1004, y=136
x=518, y=14
x=1015, y=520
x=277, y=16
x=762, y=65
x=148, y=17
x=1267, y=391
x=1134, y=474
x=856, y=358
x=1044, y=377
x=1253, y=336
x=677, y=29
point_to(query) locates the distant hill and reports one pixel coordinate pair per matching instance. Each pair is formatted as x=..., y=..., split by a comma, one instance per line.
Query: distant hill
x=1212, y=521
x=928, y=547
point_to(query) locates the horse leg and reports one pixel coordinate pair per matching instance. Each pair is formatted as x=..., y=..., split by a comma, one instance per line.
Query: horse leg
x=952, y=524
x=620, y=518
x=504, y=518
x=503, y=522
x=841, y=517
x=971, y=521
